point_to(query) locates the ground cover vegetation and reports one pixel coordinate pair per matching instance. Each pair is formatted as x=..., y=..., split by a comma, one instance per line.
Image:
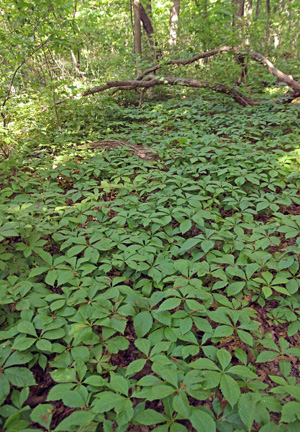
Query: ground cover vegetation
x=149, y=241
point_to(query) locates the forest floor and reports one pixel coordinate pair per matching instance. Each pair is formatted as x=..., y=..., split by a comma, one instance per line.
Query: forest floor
x=152, y=293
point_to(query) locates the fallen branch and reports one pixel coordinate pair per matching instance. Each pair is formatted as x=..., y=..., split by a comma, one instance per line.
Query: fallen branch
x=152, y=81
x=146, y=80
x=143, y=152
x=281, y=76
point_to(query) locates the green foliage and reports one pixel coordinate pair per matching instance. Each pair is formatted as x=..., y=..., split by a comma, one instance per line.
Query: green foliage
x=133, y=282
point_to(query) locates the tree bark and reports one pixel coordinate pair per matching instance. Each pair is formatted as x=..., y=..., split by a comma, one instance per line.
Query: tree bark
x=173, y=25
x=137, y=27
x=268, y=12
x=150, y=32
x=239, y=10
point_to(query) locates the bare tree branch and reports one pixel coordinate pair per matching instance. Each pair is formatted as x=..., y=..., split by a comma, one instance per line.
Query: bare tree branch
x=152, y=81
x=281, y=76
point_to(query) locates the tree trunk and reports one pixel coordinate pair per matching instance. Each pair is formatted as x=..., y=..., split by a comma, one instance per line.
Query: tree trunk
x=149, y=8
x=137, y=27
x=238, y=11
x=257, y=9
x=173, y=26
x=268, y=11
x=150, y=32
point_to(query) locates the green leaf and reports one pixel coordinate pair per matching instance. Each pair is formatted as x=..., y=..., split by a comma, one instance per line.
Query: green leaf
x=143, y=345
x=207, y=245
x=223, y=331
x=51, y=277
x=4, y=388
x=20, y=377
x=204, y=363
x=58, y=390
x=142, y=323
x=247, y=408
x=42, y=414
x=44, y=345
x=77, y=418
x=230, y=389
x=119, y=384
x=27, y=327
x=224, y=358
x=150, y=417
x=169, y=304
x=73, y=399
x=181, y=404
x=160, y=391
x=105, y=401
x=202, y=421
x=135, y=367
x=290, y=412
x=245, y=337
x=75, y=250
x=234, y=288
x=242, y=371
x=185, y=226
x=266, y=356
x=23, y=343
x=189, y=244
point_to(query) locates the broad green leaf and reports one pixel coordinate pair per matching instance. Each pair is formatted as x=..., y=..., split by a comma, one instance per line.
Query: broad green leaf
x=44, y=345
x=135, y=367
x=20, y=377
x=290, y=412
x=189, y=244
x=185, y=226
x=75, y=250
x=202, y=421
x=230, y=389
x=247, y=408
x=207, y=245
x=4, y=388
x=105, y=401
x=119, y=384
x=73, y=399
x=266, y=356
x=204, y=363
x=77, y=418
x=58, y=390
x=224, y=358
x=42, y=414
x=242, y=371
x=27, y=327
x=150, y=417
x=245, y=337
x=169, y=304
x=142, y=323
x=143, y=345
x=181, y=404
x=160, y=391
x=23, y=343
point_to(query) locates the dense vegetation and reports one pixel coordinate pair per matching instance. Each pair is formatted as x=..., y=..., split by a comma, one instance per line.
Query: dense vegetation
x=156, y=291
